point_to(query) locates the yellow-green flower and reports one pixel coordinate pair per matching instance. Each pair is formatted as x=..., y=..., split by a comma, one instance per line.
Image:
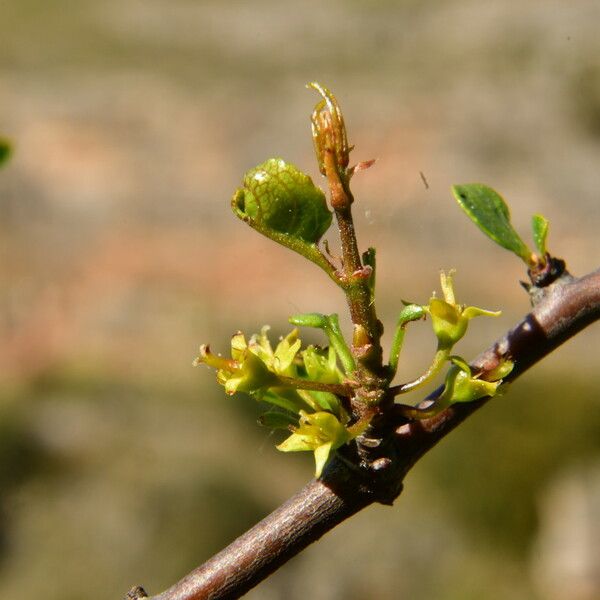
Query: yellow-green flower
x=267, y=374
x=321, y=365
x=319, y=432
x=449, y=319
x=281, y=360
x=245, y=371
x=462, y=386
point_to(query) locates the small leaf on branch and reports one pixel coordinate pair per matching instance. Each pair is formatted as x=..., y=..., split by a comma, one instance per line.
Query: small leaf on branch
x=539, y=226
x=488, y=210
x=410, y=312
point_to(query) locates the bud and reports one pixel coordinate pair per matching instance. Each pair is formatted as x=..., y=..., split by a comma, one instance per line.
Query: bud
x=329, y=131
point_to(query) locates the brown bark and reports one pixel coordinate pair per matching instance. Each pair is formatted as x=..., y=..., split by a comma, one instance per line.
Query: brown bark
x=564, y=309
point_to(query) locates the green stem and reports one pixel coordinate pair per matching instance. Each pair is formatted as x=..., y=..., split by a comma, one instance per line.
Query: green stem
x=331, y=327
x=429, y=410
x=336, y=339
x=441, y=356
x=411, y=312
x=309, y=251
x=395, y=350
x=360, y=426
x=339, y=389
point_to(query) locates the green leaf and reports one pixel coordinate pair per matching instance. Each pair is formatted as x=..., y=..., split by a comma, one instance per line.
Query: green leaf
x=5, y=150
x=539, y=226
x=284, y=199
x=488, y=210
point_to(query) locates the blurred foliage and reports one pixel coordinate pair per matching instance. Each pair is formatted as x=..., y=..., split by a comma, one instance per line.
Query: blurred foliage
x=184, y=501
x=5, y=150
x=495, y=469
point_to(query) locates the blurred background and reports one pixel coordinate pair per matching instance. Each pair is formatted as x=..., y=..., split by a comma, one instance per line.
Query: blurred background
x=133, y=122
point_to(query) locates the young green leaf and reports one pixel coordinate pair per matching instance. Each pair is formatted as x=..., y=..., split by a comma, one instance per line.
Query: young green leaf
x=281, y=197
x=488, y=210
x=539, y=226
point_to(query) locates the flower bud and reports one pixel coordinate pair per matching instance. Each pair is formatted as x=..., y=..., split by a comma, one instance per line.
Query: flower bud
x=329, y=131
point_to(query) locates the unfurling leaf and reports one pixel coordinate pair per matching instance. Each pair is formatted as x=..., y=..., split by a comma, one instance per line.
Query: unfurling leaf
x=488, y=210
x=539, y=226
x=278, y=196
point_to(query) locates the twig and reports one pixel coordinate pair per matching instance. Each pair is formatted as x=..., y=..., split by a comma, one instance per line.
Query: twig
x=305, y=384
x=568, y=306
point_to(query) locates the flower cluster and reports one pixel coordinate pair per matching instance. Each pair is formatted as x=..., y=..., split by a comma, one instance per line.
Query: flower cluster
x=323, y=396
x=279, y=377
x=450, y=321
